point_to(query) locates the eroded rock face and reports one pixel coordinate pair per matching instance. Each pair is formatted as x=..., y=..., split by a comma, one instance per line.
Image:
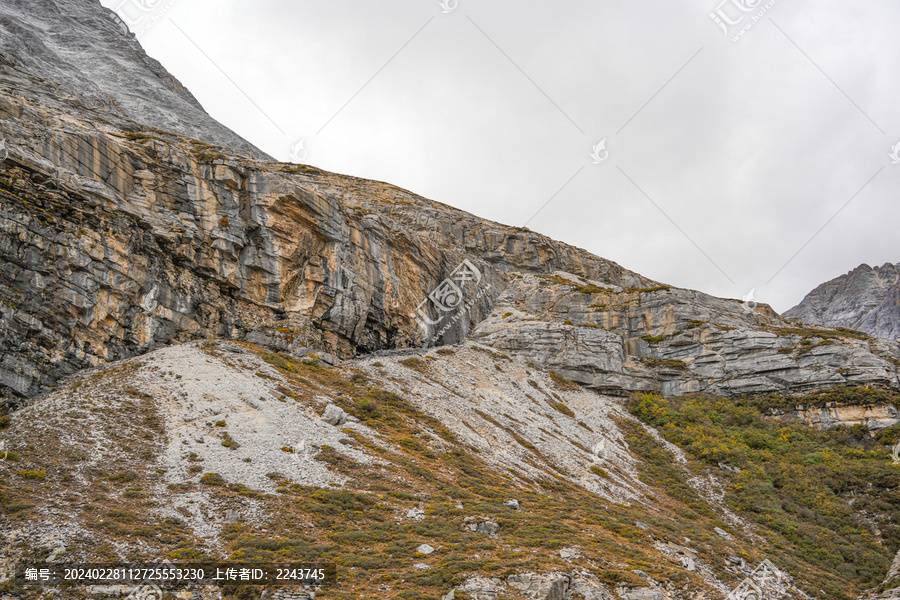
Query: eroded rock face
x=866, y=298
x=117, y=242
x=119, y=237
x=873, y=418
x=674, y=341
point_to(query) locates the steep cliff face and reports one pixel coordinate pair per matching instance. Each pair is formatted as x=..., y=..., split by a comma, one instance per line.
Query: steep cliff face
x=120, y=237
x=123, y=238
x=118, y=241
x=866, y=298
x=82, y=51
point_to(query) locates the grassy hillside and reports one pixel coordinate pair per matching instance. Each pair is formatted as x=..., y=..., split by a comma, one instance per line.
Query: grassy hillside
x=824, y=498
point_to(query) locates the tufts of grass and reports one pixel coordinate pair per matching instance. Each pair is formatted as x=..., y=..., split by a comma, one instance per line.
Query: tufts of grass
x=590, y=289
x=212, y=479
x=647, y=290
x=561, y=407
x=810, y=332
x=414, y=363
x=36, y=475
x=563, y=383
x=665, y=363
x=598, y=471
x=281, y=361
x=123, y=477
x=229, y=442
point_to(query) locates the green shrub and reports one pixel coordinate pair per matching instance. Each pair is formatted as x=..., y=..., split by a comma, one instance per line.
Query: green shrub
x=793, y=480
x=410, y=444
x=368, y=408
x=212, y=479
x=589, y=289
x=562, y=408
x=280, y=361
x=38, y=475
x=413, y=363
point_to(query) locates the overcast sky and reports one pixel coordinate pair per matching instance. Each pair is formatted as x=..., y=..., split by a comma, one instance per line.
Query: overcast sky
x=730, y=163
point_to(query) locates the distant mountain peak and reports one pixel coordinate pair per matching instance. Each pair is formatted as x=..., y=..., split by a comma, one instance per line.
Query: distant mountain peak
x=82, y=49
x=866, y=298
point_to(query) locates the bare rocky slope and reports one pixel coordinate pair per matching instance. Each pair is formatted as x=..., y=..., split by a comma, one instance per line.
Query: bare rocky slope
x=866, y=299
x=208, y=354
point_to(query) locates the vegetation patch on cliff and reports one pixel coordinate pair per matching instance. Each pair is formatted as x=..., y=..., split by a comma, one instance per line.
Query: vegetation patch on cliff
x=824, y=499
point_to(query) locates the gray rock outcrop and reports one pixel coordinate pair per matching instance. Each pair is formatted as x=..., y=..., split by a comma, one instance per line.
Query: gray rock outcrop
x=866, y=299
x=674, y=341
x=334, y=415
x=873, y=418
x=79, y=51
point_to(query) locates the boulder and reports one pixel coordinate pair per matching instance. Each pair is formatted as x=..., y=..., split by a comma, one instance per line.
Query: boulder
x=334, y=415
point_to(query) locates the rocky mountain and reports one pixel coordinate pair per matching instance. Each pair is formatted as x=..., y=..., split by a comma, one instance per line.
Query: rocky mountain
x=866, y=299
x=119, y=240
x=208, y=355
x=82, y=53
